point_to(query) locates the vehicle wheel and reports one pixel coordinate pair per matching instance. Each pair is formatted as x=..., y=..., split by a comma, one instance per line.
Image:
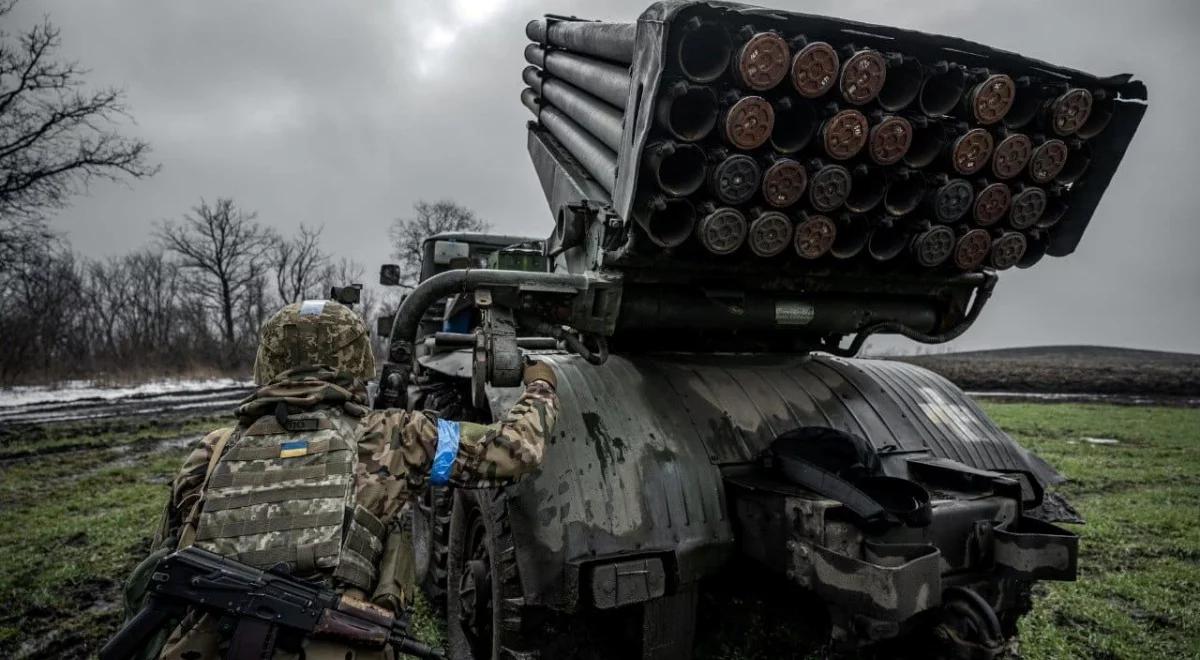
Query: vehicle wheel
x=484, y=600
x=430, y=539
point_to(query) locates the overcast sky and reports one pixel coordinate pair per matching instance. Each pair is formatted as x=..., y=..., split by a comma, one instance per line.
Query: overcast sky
x=344, y=113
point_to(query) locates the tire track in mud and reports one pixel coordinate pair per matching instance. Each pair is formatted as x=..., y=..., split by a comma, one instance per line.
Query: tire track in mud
x=136, y=405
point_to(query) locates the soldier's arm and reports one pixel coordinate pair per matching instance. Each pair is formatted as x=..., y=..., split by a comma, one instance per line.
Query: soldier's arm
x=187, y=487
x=421, y=447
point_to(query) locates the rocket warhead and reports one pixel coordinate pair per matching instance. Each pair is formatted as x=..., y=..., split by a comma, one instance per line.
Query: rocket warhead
x=814, y=236
x=815, y=69
x=770, y=234
x=1011, y=156
x=972, y=249
x=723, y=230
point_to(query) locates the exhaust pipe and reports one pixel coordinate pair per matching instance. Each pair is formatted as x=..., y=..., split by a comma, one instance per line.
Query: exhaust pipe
x=829, y=186
x=1103, y=108
x=1026, y=103
x=889, y=139
x=668, y=222
x=887, y=241
x=734, y=179
x=814, y=236
x=1070, y=111
x=723, y=229
x=595, y=116
x=703, y=50
x=928, y=141
x=748, y=122
x=971, y=151
x=597, y=159
x=991, y=203
x=1048, y=160
x=784, y=183
x=677, y=168
x=610, y=41
x=903, y=83
x=600, y=79
x=867, y=185
x=687, y=112
x=853, y=231
x=863, y=75
x=815, y=69
x=991, y=98
x=904, y=193
x=942, y=89
x=770, y=233
x=951, y=199
x=844, y=134
x=761, y=62
x=972, y=249
x=795, y=125
x=1007, y=250
x=1028, y=205
x=933, y=246
x=1011, y=156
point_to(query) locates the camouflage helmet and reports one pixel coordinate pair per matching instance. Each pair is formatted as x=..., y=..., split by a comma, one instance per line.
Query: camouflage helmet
x=311, y=333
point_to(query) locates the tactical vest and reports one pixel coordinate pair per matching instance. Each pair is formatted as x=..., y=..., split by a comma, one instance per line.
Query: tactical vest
x=286, y=494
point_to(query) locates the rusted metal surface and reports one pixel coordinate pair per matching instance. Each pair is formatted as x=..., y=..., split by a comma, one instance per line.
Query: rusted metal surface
x=1012, y=155
x=863, y=75
x=992, y=203
x=992, y=98
x=815, y=69
x=784, y=183
x=889, y=140
x=972, y=249
x=970, y=151
x=845, y=134
x=1070, y=111
x=762, y=62
x=748, y=122
x=814, y=236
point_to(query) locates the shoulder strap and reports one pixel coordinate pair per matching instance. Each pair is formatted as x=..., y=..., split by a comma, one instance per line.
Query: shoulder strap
x=187, y=534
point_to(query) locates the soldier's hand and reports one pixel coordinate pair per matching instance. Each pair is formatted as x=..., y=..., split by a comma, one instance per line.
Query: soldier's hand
x=535, y=370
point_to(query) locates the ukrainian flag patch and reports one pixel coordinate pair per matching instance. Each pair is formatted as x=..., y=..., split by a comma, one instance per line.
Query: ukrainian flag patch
x=293, y=448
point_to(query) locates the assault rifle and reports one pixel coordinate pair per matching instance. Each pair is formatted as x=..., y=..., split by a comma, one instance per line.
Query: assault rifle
x=257, y=603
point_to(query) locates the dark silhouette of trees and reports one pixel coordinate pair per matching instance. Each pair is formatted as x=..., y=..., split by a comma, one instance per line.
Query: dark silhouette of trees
x=223, y=250
x=299, y=265
x=55, y=136
x=429, y=218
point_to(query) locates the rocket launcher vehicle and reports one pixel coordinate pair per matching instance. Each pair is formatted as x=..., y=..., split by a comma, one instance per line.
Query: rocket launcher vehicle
x=730, y=178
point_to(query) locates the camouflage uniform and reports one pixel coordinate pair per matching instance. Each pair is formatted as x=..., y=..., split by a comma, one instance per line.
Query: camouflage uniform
x=395, y=450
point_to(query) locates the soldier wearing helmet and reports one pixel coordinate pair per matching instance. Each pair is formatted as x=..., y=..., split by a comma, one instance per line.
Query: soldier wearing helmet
x=310, y=479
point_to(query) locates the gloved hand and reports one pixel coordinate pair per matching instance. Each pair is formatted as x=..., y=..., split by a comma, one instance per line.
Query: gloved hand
x=535, y=370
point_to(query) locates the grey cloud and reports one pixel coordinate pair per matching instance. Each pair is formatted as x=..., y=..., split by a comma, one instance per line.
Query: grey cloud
x=326, y=112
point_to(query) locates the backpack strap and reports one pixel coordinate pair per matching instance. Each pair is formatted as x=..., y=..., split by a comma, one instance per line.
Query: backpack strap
x=187, y=534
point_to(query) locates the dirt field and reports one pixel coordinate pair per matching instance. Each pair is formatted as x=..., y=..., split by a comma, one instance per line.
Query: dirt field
x=79, y=501
x=1070, y=369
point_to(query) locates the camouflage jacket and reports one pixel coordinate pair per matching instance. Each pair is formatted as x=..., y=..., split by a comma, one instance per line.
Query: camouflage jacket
x=397, y=447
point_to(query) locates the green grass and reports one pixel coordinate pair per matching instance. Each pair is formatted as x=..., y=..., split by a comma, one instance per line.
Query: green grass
x=1139, y=563
x=78, y=504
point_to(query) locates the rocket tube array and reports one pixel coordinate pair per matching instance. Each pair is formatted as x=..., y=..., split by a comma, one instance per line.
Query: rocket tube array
x=770, y=145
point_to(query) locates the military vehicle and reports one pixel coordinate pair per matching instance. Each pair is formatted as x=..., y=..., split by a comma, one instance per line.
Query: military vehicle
x=740, y=198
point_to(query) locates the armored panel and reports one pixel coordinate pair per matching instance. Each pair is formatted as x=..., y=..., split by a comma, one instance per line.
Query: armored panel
x=634, y=465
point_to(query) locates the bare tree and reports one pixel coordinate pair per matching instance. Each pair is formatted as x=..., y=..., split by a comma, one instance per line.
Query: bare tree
x=226, y=247
x=408, y=233
x=55, y=137
x=299, y=265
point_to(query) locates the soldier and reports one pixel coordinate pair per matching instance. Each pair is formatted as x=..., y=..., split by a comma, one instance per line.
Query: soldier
x=310, y=480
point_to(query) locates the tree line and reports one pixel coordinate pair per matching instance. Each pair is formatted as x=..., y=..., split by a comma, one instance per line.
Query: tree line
x=194, y=296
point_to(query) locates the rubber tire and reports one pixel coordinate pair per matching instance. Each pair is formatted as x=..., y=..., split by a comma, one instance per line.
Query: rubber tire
x=507, y=595
x=430, y=537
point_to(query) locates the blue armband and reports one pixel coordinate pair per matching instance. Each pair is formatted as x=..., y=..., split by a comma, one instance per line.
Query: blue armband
x=447, y=450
